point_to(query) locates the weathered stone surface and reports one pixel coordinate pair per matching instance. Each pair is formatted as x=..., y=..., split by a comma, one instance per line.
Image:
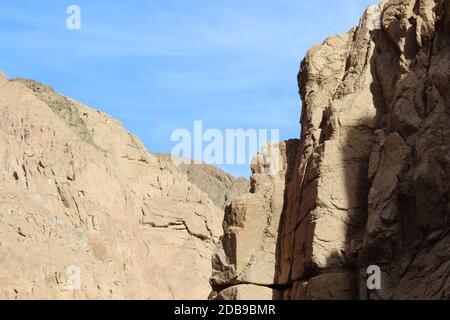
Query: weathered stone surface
x=244, y=292
x=327, y=286
x=371, y=186
x=367, y=184
x=77, y=189
x=247, y=251
x=370, y=178
x=220, y=187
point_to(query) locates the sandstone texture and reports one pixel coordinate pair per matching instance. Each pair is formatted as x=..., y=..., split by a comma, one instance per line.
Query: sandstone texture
x=366, y=184
x=245, y=258
x=371, y=186
x=220, y=186
x=369, y=180
x=79, y=191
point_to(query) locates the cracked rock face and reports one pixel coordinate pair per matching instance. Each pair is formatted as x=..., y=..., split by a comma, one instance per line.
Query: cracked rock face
x=371, y=186
x=366, y=184
x=245, y=258
x=371, y=174
x=220, y=187
x=77, y=189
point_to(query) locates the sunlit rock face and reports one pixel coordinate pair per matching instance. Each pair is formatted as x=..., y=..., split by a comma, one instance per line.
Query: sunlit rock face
x=221, y=187
x=245, y=258
x=87, y=213
x=371, y=174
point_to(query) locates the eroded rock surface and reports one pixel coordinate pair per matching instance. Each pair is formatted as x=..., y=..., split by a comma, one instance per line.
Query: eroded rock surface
x=245, y=258
x=371, y=186
x=367, y=184
x=221, y=187
x=78, y=190
x=371, y=176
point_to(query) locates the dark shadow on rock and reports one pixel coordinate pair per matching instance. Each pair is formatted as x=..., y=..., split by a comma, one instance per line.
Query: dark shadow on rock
x=298, y=223
x=396, y=216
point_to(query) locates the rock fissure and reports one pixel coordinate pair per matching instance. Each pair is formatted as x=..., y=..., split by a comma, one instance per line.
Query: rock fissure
x=370, y=184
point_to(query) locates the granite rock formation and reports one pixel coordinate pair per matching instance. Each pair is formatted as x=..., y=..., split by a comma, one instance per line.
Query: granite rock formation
x=220, y=186
x=367, y=184
x=81, y=198
x=371, y=176
x=245, y=258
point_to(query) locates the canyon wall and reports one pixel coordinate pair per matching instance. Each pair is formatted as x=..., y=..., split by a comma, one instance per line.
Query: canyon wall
x=220, y=186
x=366, y=184
x=82, y=199
x=371, y=174
x=245, y=259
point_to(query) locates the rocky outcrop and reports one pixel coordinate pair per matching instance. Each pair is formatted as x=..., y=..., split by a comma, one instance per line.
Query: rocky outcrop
x=371, y=176
x=371, y=185
x=367, y=184
x=81, y=196
x=245, y=258
x=220, y=187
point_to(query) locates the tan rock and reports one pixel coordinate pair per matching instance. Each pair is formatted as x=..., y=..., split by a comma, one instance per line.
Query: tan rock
x=369, y=183
x=248, y=250
x=79, y=191
x=220, y=187
x=245, y=292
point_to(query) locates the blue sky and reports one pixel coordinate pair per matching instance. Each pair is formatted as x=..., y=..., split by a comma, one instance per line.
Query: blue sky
x=158, y=65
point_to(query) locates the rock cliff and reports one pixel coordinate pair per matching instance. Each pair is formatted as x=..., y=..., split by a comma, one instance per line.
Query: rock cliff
x=220, y=187
x=370, y=177
x=366, y=184
x=81, y=197
x=245, y=258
